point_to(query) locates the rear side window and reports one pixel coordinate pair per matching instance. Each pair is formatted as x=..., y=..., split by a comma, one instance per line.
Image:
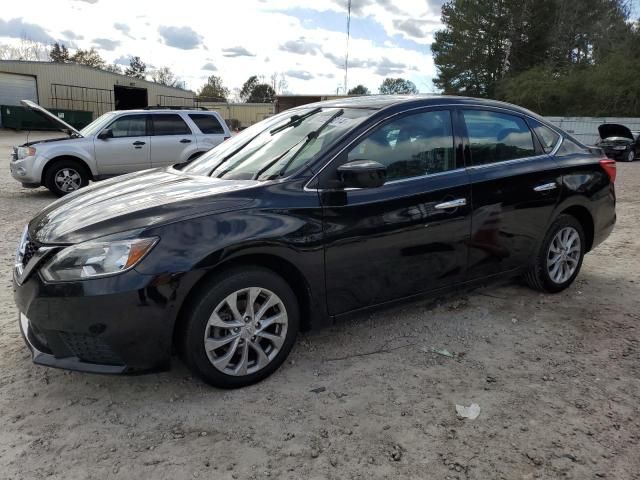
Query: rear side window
x=170, y=124
x=570, y=148
x=497, y=137
x=129, y=126
x=207, y=124
x=548, y=138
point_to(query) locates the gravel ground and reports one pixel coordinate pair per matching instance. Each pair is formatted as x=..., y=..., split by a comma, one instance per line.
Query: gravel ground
x=557, y=378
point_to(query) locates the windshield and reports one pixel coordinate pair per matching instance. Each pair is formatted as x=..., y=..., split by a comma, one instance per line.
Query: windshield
x=97, y=125
x=278, y=146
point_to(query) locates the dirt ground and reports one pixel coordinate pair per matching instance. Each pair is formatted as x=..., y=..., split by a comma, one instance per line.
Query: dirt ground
x=557, y=378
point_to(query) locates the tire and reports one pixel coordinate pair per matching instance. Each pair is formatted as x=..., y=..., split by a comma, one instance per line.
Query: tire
x=242, y=331
x=66, y=176
x=630, y=155
x=556, y=277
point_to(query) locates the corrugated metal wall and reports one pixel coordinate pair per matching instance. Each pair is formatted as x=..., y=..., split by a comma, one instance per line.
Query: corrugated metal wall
x=48, y=73
x=246, y=113
x=585, y=129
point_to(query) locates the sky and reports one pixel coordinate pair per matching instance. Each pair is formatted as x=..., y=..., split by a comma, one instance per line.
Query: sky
x=305, y=41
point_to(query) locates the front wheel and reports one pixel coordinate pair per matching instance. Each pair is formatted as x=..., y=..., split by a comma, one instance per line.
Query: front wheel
x=560, y=257
x=240, y=328
x=631, y=155
x=66, y=176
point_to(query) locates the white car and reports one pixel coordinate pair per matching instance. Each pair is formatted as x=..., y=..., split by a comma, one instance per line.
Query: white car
x=117, y=142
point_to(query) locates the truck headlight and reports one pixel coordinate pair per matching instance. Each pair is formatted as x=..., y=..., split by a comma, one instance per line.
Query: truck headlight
x=96, y=259
x=24, y=152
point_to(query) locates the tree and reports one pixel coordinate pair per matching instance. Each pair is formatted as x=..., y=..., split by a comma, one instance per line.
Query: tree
x=392, y=86
x=59, y=53
x=27, y=49
x=113, y=68
x=247, y=87
x=164, y=76
x=262, y=93
x=136, y=69
x=214, y=88
x=89, y=57
x=279, y=82
x=359, y=90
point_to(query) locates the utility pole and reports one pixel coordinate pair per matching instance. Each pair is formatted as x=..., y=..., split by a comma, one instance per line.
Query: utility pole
x=346, y=55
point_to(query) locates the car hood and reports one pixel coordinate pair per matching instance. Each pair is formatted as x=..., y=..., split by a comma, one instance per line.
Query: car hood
x=138, y=200
x=51, y=118
x=609, y=130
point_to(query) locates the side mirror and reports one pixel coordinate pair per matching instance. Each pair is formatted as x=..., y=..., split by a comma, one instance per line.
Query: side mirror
x=107, y=133
x=362, y=174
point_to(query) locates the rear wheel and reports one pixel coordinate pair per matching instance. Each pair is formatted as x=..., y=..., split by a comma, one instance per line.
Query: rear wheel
x=560, y=257
x=241, y=328
x=66, y=176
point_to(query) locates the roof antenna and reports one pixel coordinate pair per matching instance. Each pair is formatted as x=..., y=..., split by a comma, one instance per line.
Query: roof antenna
x=346, y=56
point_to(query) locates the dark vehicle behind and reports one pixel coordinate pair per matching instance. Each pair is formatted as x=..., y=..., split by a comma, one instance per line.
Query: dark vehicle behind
x=618, y=142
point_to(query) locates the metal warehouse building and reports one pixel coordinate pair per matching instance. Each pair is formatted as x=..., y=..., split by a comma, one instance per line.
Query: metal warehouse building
x=71, y=86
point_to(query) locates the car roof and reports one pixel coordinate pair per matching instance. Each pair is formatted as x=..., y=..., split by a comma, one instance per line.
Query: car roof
x=379, y=102
x=166, y=110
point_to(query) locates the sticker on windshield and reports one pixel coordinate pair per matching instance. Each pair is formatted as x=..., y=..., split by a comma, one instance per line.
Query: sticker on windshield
x=336, y=122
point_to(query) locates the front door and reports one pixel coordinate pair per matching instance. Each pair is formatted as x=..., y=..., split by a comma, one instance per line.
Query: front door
x=171, y=138
x=128, y=149
x=408, y=236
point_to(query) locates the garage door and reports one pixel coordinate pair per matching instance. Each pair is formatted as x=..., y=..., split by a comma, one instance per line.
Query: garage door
x=14, y=88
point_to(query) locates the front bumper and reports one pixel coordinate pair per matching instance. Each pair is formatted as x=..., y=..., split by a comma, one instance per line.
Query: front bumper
x=120, y=324
x=25, y=171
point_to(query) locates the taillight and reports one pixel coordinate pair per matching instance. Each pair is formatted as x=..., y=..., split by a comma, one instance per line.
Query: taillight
x=609, y=166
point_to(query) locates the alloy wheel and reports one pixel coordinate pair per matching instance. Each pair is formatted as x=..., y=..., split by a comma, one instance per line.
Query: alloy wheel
x=246, y=331
x=630, y=156
x=563, y=256
x=68, y=180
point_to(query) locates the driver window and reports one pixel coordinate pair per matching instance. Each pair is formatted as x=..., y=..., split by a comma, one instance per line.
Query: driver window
x=129, y=126
x=412, y=146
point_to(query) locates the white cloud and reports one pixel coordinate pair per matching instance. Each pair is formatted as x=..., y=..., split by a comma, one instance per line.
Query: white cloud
x=252, y=38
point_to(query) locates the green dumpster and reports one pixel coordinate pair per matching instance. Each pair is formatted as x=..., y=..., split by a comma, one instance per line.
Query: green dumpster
x=21, y=118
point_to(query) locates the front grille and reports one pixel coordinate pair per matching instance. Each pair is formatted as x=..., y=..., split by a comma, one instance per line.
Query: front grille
x=90, y=349
x=30, y=249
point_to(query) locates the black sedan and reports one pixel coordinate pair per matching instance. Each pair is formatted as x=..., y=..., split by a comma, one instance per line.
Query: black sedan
x=618, y=142
x=301, y=219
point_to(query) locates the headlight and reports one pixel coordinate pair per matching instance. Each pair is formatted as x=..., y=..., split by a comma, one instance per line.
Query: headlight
x=23, y=152
x=620, y=147
x=96, y=259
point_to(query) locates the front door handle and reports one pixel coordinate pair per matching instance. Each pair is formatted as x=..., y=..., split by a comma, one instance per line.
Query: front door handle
x=458, y=202
x=185, y=140
x=545, y=187
x=139, y=143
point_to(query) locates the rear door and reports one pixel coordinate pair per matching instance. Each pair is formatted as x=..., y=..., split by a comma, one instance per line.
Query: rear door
x=128, y=150
x=515, y=185
x=210, y=131
x=172, y=140
x=408, y=236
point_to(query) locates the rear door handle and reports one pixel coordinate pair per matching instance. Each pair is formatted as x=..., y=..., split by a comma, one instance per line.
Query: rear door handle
x=185, y=140
x=139, y=143
x=458, y=202
x=545, y=187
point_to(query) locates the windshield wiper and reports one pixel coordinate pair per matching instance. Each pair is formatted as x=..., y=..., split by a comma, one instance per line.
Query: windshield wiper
x=310, y=136
x=295, y=119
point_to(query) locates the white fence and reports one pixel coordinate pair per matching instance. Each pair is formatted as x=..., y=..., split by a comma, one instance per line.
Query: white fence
x=585, y=129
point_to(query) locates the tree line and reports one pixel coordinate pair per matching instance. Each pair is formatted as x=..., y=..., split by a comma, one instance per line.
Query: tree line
x=557, y=57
